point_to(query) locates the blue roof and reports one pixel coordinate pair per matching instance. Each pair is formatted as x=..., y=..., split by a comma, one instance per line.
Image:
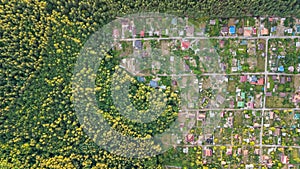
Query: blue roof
x=244, y=42
x=281, y=69
x=163, y=87
x=232, y=29
x=153, y=83
x=298, y=28
x=254, y=78
x=141, y=79
x=174, y=21
x=138, y=44
x=273, y=28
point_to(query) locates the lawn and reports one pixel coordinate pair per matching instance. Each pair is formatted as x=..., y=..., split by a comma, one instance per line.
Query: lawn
x=260, y=63
x=277, y=102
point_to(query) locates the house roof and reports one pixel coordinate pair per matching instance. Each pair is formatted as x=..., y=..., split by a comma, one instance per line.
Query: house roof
x=291, y=68
x=225, y=29
x=254, y=30
x=138, y=44
x=298, y=28
x=247, y=31
x=269, y=94
x=212, y=22
x=190, y=138
x=284, y=159
x=201, y=116
x=243, y=78
x=185, y=44
x=297, y=116
x=264, y=31
x=241, y=30
x=282, y=80
x=153, y=83
x=190, y=30
x=208, y=152
x=241, y=104
x=281, y=94
x=115, y=33
x=244, y=42
x=232, y=29
x=221, y=43
x=174, y=21
x=142, y=34
x=250, y=105
x=141, y=79
x=280, y=68
x=245, y=152
x=253, y=78
x=260, y=81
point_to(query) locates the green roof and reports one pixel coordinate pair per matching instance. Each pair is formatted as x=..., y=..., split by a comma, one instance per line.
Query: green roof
x=297, y=116
x=243, y=95
x=241, y=104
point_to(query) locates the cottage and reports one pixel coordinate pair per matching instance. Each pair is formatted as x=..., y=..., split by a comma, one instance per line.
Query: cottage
x=153, y=83
x=241, y=104
x=297, y=116
x=284, y=159
x=296, y=98
x=201, y=117
x=232, y=30
x=190, y=31
x=282, y=80
x=264, y=31
x=281, y=69
x=142, y=33
x=141, y=79
x=185, y=45
x=277, y=132
x=138, y=44
x=269, y=94
x=243, y=78
x=221, y=43
x=245, y=152
x=212, y=22
x=247, y=31
x=250, y=105
x=190, y=138
x=174, y=21
x=224, y=30
x=297, y=28
x=208, y=152
x=271, y=115
x=116, y=33
x=281, y=94
x=241, y=31
x=229, y=151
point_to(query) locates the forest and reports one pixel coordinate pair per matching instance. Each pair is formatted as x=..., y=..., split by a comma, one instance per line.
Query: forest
x=39, y=44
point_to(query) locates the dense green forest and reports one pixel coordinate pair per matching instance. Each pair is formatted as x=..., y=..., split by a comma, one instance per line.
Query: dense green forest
x=39, y=44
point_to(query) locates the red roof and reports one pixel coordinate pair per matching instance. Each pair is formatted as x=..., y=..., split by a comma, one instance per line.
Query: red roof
x=185, y=44
x=142, y=33
x=260, y=81
x=254, y=30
